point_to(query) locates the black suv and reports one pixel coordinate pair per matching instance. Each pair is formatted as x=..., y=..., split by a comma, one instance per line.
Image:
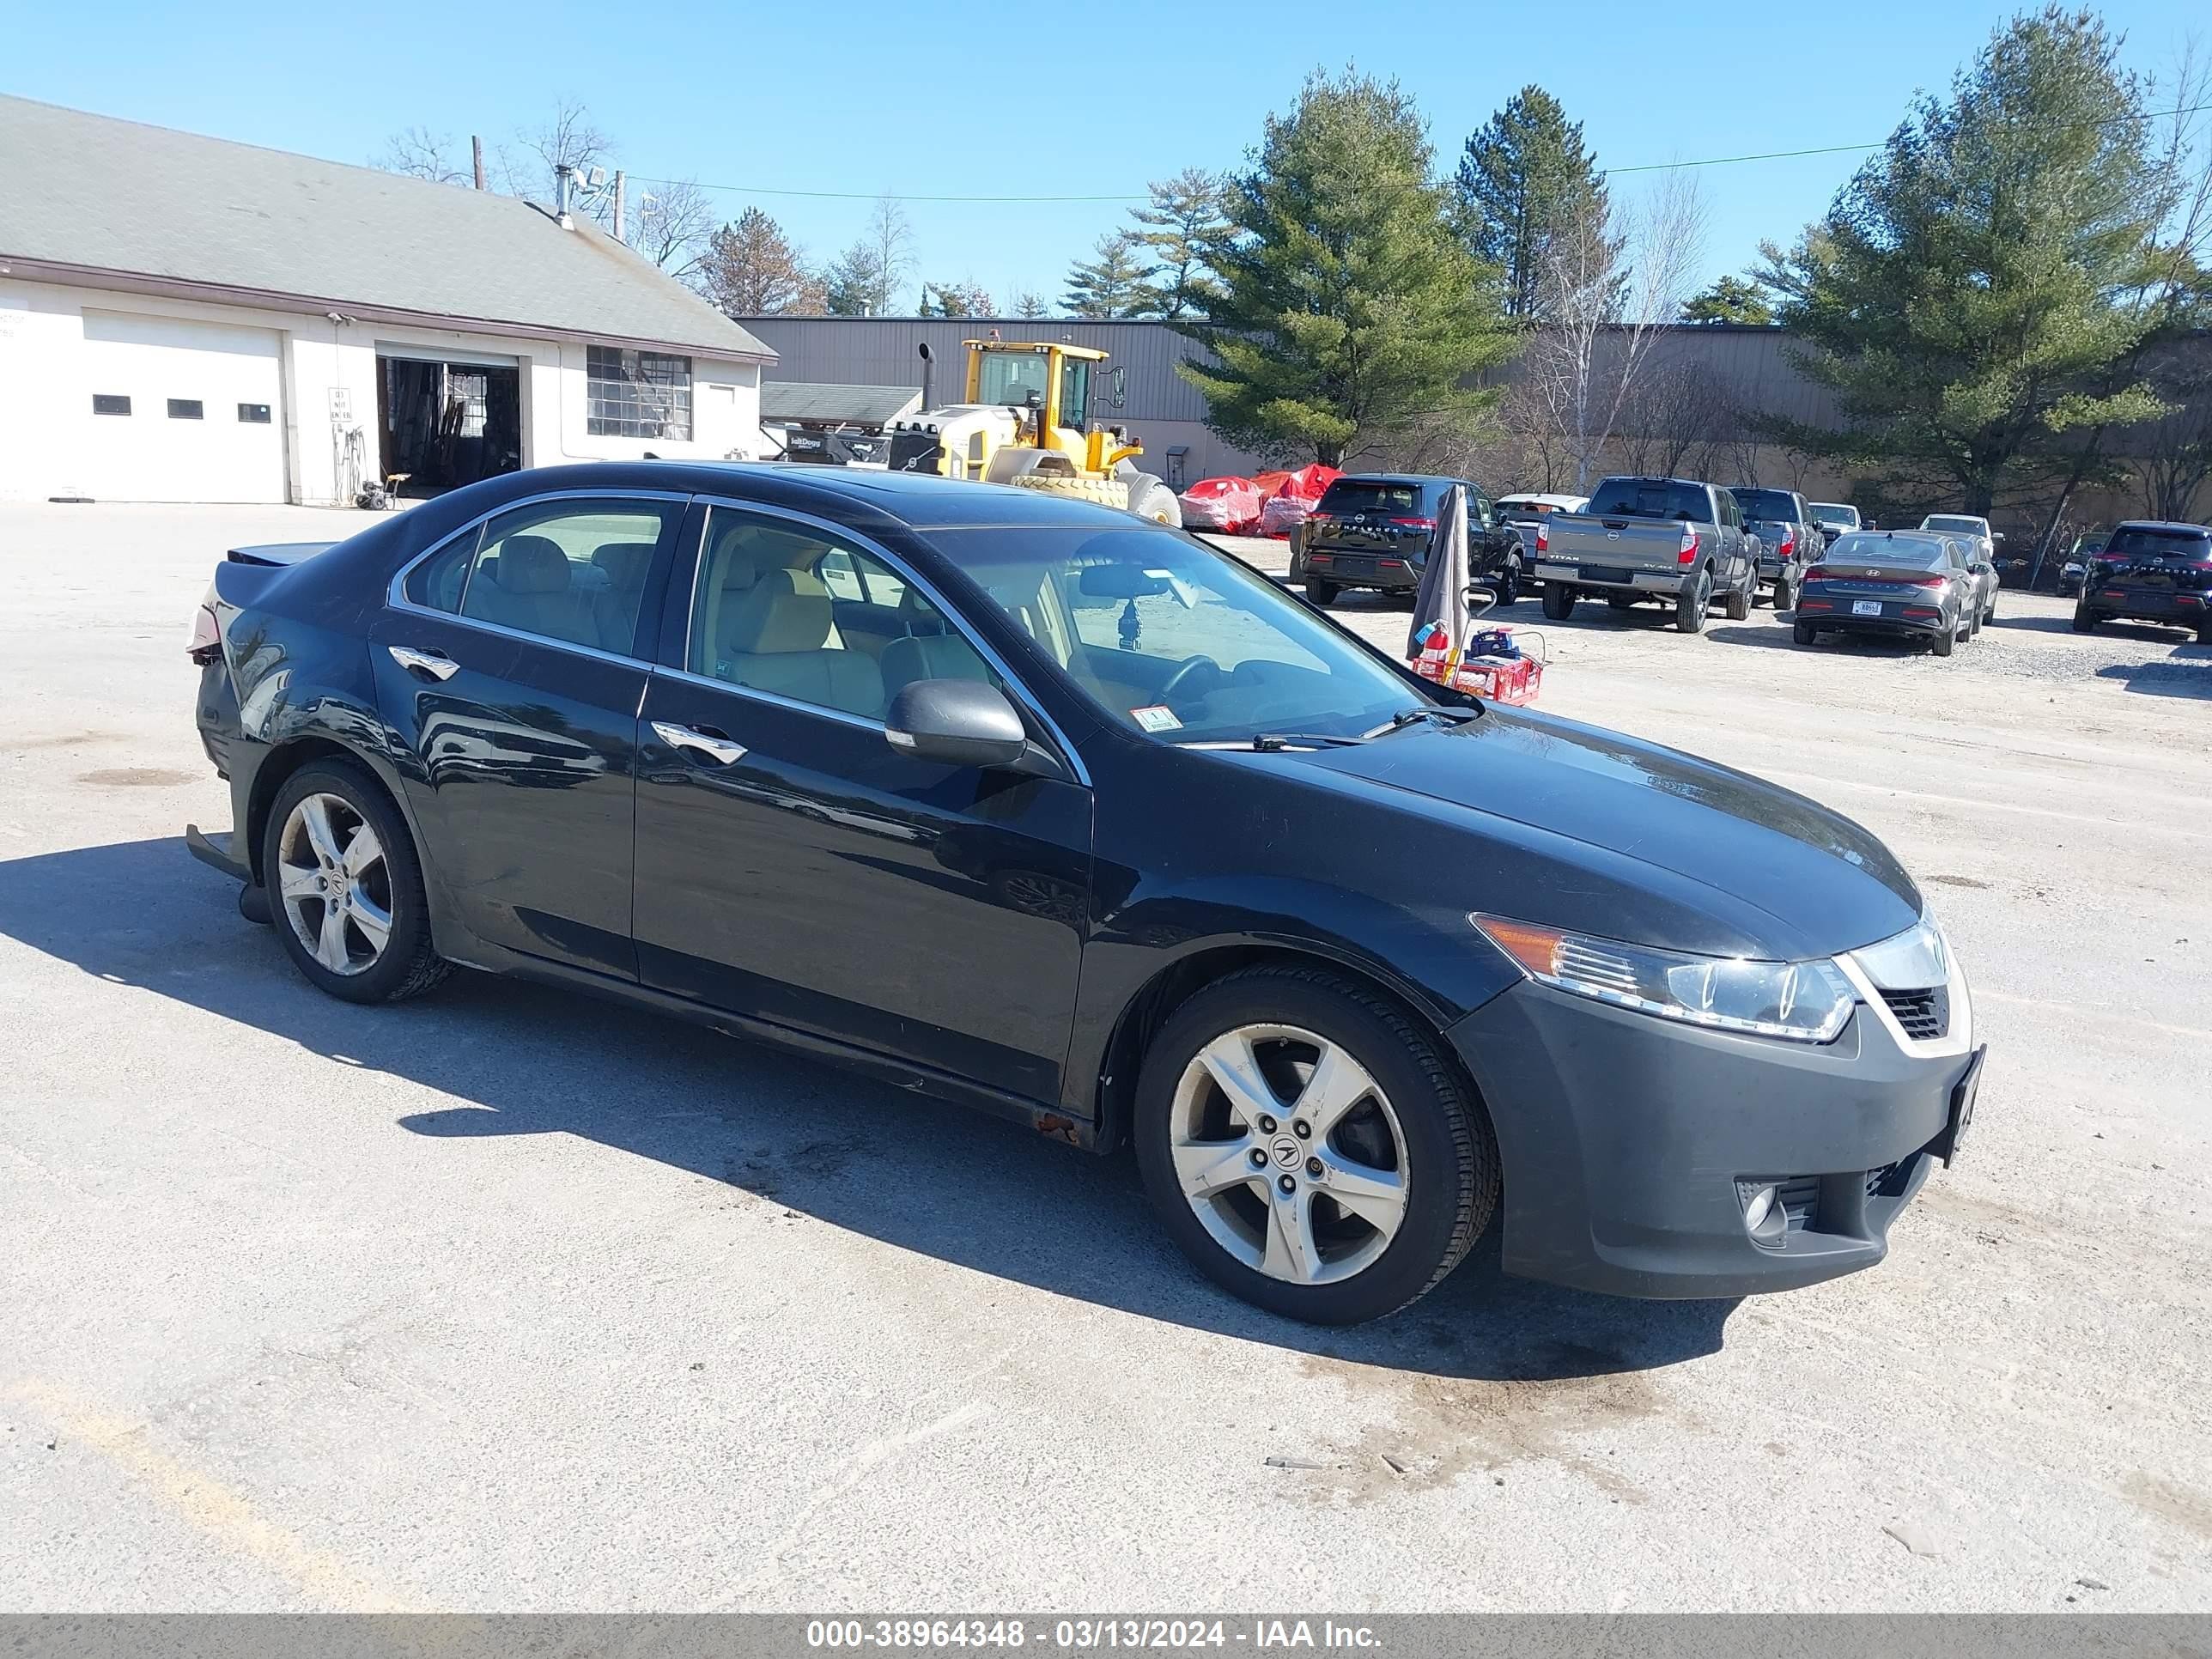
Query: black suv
x=1373, y=530
x=2151, y=571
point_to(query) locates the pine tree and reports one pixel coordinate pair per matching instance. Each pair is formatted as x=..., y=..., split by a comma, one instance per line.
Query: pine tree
x=1975, y=296
x=1184, y=224
x=1728, y=300
x=753, y=269
x=1113, y=283
x=1028, y=303
x=968, y=299
x=1349, y=308
x=1524, y=176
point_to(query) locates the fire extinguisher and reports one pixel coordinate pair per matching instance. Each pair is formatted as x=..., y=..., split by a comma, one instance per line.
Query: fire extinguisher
x=1434, y=661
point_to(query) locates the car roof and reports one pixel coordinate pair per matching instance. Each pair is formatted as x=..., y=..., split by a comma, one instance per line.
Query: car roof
x=1394, y=478
x=2167, y=524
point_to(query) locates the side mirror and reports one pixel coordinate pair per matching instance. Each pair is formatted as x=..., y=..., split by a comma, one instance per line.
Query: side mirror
x=956, y=723
x=1120, y=381
x=1997, y=535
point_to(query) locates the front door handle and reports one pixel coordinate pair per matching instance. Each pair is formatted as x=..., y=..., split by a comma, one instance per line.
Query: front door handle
x=436, y=664
x=713, y=746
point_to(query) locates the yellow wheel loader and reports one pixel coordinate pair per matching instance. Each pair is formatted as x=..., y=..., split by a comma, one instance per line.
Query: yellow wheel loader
x=1026, y=421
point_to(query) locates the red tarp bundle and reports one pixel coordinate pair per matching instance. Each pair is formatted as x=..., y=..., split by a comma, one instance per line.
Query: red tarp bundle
x=1292, y=497
x=1229, y=505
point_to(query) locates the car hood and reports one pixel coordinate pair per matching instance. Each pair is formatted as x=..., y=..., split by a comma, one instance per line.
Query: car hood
x=1783, y=873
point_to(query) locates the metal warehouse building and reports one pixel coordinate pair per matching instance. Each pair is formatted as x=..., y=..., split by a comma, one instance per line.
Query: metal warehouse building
x=187, y=319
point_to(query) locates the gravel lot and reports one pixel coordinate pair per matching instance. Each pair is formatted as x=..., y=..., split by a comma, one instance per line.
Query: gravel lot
x=509, y=1300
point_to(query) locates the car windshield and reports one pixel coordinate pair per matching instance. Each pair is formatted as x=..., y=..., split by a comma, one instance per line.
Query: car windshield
x=1775, y=504
x=1009, y=377
x=1916, y=552
x=1650, y=498
x=1168, y=637
x=1349, y=495
x=1830, y=513
x=2144, y=542
x=1948, y=521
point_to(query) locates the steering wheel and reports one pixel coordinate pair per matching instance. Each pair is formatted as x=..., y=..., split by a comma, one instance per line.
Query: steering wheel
x=1187, y=669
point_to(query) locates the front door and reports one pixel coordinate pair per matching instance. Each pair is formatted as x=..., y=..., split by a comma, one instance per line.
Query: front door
x=508, y=670
x=794, y=868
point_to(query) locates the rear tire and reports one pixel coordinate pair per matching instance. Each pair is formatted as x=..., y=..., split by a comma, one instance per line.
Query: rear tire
x=1784, y=599
x=354, y=964
x=1802, y=633
x=1944, y=643
x=1739, y=599
x=2084, y=623
x=1417, y=1120
x=2204, y=633
x=1322, y=593
x=1559, y=601
x=1690, y=604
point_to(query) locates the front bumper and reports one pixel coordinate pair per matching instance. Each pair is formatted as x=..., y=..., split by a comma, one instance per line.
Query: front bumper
x=1625, y=1138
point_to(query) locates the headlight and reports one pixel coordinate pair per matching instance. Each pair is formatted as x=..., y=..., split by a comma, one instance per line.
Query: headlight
x=1802, y=1001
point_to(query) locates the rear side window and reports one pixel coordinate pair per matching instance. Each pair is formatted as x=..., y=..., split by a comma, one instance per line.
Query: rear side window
x=1349, y=495
x=2141, y=542
x=1650, y=498
x=1777, y=504
x=573, y=570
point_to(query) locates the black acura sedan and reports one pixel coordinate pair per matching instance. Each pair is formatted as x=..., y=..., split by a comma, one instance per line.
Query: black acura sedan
x=1021, y=802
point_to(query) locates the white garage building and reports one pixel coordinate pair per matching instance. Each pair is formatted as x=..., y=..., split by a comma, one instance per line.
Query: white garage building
x=187, y=320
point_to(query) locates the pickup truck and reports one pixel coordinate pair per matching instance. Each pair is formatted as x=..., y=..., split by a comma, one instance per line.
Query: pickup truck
x=1789, y=539
x=1677, y=541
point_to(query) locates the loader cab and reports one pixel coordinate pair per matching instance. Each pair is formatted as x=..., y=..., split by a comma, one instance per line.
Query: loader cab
x=1032, y=375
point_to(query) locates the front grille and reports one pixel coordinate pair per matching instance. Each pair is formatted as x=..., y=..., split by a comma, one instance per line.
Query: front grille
x=1925, y=1014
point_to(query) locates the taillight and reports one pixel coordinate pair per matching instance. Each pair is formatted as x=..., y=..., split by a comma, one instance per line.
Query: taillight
x=1788, y=546
x=206, y=642
x=1925, y=582
x=1416, y=524
x=1819, y=572
x=1688, y=555
x=1543, y=539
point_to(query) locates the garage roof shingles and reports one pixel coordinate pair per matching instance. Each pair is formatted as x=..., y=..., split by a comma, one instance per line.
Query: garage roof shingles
x=107, y=196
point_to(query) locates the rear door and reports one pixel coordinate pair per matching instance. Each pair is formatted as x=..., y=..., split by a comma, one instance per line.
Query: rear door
x=509, y=667
x=794, y=868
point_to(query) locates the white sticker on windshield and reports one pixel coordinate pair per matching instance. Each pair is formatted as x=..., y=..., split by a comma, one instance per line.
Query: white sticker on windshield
x=1156, y=717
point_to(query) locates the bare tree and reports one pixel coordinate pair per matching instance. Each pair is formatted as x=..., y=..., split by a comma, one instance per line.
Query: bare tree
x=1678, y=411
x=420, y=154
x=889, y=239
x=2176, y=450
x=568, y=138
x=1613, y=285
x=674, y=226
x=1030, y=303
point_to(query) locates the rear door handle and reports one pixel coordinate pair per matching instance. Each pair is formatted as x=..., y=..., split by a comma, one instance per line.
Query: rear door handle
x=436, y=664
x=712, y=745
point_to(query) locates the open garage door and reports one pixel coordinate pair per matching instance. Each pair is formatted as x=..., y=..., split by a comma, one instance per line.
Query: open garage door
x=182, y=411
x=443, y=424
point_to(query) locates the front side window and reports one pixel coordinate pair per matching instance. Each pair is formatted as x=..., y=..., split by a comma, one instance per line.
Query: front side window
x=1167, y=637
x=187, y=409
x=1075, y=393
x=637, y=394
x=792, y=611
x=572, y=570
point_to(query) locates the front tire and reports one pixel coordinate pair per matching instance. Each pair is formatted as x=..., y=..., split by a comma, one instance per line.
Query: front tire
x=1559, y=601
x=1408, y=1166
x=346, y=887
x=1507, y=586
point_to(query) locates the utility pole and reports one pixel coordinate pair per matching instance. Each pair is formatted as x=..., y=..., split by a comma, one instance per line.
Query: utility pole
x=476, y=148
x=618, y=205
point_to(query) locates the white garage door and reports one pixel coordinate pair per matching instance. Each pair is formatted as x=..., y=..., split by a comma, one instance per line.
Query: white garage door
x=180, y=412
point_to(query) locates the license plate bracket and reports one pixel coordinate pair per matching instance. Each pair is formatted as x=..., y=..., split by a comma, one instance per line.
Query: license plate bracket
x=1963, y=1095
x=1866, y=607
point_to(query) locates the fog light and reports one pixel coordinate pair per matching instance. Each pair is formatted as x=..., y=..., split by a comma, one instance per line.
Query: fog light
x=1760, y=1206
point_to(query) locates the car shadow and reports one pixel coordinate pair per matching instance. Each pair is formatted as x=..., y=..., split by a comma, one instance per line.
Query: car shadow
x=1750, y=634
x=2187, y=673
x=916, y=1174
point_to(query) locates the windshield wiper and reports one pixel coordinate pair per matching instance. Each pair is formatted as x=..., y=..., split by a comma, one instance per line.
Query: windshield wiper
x=1406, y=717
x=1268, y=742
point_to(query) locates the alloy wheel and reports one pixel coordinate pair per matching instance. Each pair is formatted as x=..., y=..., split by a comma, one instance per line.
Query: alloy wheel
x=1289, y=1153
x=335, y=885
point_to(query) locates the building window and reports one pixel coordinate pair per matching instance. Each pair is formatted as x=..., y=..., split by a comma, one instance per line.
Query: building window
x=109, y=403
x=185, y=409
x=637, y=394
x=253, y=414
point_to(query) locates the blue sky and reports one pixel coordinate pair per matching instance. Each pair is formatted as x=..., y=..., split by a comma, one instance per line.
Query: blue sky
x=1082, y=99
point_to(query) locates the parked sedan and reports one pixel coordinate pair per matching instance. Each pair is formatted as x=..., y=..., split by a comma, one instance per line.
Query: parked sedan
x=1015, y=800
x=1898, y=582
x=2151, y=571
x=1374, y=531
